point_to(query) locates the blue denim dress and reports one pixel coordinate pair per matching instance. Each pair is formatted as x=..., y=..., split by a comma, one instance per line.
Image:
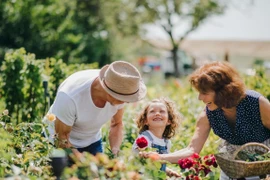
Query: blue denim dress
x=160, y=149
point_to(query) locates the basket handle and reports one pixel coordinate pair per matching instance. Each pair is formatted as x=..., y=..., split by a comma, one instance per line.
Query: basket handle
x=249, y=144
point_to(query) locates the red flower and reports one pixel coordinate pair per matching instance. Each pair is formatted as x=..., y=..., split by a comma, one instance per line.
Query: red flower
x=210, y=160
x=193, y=177
x=195, y=156
x=205, y=169
x=142, y=142
x=186, y=163
x=196, y=167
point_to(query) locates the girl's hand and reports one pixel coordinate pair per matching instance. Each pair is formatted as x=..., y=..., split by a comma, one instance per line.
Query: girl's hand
x=152, y=155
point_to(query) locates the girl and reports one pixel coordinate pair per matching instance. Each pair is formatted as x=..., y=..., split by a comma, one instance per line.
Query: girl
x=157, y=123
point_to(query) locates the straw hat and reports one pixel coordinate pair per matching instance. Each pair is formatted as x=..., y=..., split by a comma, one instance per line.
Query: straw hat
x=122, y=81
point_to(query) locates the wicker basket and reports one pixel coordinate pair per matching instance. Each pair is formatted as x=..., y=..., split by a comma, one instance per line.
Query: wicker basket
x=238, y=168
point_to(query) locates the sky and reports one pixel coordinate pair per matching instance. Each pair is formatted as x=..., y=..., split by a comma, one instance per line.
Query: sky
x=242, y=20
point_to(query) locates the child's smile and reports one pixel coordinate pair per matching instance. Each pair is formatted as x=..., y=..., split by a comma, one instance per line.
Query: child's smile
x=157, y=115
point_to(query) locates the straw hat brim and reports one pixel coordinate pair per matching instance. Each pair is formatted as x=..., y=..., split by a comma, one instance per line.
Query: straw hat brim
x=140, y=94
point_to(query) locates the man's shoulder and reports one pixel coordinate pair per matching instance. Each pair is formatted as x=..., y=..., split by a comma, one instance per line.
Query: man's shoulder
x=86, y=73
x=78, y=79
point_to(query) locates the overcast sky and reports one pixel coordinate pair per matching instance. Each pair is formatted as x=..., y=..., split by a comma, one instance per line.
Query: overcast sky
x=241, y=21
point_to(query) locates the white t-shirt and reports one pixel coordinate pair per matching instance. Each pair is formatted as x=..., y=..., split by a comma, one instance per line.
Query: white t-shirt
x=156, y=140
x=73, y=105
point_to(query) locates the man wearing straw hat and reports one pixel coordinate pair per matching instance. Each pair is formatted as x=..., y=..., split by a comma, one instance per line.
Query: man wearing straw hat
x=87, y=99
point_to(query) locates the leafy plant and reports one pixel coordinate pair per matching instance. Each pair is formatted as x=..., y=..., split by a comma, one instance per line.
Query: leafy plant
x=101, y=166
x=256, y=156
x=6, y=153
x=28, y=148
x=13, y=85
x=22, y=88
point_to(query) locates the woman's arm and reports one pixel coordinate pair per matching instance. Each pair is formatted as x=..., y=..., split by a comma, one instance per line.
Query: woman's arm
x=197, y=142
x=264, y=110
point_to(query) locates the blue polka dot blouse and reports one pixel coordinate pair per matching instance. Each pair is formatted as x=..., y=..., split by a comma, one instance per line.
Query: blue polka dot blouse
x=248, y=127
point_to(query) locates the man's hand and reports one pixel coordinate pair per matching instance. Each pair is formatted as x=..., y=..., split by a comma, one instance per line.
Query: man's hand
x=115, y=151
x=77, y=153
x=62, y=132
x=116, y=132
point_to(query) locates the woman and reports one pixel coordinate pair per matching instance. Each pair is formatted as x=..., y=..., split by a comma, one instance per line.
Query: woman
x=235, y=114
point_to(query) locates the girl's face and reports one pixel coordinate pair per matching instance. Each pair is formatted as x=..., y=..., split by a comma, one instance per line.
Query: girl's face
x=157, y=115
x=208, y=99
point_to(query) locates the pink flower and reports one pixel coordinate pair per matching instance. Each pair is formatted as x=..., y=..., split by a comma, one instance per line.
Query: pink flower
x=142, y=142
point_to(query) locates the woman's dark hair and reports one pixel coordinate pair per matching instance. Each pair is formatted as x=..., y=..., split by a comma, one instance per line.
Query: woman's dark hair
x=221, y=78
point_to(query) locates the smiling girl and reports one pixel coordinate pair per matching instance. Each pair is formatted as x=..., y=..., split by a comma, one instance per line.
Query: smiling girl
x=157, y=123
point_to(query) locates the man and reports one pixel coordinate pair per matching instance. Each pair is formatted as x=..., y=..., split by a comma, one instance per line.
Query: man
x=86, y=100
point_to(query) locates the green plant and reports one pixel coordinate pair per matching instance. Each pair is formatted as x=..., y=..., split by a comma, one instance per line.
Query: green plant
x=22, y=88
x=6, y=153
x=101, y=166
x=27, y=150
x=13, y=84
x=259, y=82
x=33, y=91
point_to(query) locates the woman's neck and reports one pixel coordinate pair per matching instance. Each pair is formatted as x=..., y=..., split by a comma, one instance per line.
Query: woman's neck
x=230, y=115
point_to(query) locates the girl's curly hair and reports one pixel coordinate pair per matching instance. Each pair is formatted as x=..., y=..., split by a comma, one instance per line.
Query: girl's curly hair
x=173, y=115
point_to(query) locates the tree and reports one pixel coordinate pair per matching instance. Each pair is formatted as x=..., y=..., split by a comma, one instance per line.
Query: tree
x=65, y=29
x=130, y=16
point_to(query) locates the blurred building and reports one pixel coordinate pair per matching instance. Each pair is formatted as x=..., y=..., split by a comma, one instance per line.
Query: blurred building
x=241, y=54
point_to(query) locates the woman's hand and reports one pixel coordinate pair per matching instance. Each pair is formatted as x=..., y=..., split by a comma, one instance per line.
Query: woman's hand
x=172, y=173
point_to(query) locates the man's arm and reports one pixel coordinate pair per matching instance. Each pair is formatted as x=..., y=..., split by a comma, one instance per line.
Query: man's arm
x=116, y=131
x=62, y=134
